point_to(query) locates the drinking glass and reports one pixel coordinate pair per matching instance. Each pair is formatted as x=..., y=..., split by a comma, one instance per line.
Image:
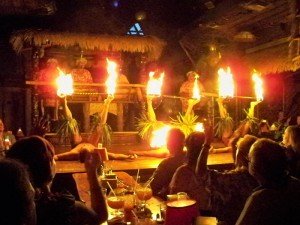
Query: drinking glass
x=144, y=193
x=115, y=200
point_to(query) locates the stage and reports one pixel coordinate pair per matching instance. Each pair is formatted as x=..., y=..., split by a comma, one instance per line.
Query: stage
x=219, y=161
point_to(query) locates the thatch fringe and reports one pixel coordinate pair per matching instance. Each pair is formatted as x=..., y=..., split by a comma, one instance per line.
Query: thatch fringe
x=272, y=60
x=145, y=44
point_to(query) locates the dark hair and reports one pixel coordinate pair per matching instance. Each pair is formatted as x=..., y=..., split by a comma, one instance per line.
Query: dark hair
x=175, y=140
x=268, y=160
x=243, y=148
x=37, y=154
x=194, y=143
x=16, y=195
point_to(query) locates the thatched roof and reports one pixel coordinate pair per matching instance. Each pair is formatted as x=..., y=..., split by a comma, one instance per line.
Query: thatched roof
x=144, y=44
x=274, y=59
x=27, y=7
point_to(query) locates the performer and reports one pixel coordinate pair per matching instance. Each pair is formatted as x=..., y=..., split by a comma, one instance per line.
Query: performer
x=161, y=152
x=82, y=75
x=48, y=97
x=77, y=142
x=186, y=90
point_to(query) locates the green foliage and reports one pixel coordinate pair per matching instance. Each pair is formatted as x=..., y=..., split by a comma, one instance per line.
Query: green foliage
x=106, y=129
x=145, y=126
x=224, y=125
x=185, y=122
x=67, y=128
x=253, y=121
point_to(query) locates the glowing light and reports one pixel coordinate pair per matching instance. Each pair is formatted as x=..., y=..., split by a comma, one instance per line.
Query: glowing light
x=64, y=83
x=159, y=137
x=154, y=85
x=196, y=89
x=226, y=84
x=258, y=85
x=111, y=81
x=199, y=127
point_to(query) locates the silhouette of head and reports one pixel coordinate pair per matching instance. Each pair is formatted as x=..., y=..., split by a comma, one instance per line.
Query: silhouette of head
x=175, y=141
x=37, y=154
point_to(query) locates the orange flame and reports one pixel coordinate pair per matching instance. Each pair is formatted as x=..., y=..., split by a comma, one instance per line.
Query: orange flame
x=154, y=85
x=196, y=89
x=159, y=137
x=258, y=85
x=226, y=84
x=199, y=127
x=64, y=83
x=111, y=81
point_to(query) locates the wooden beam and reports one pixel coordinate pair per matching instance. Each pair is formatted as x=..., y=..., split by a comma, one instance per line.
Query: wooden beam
x=268, y=45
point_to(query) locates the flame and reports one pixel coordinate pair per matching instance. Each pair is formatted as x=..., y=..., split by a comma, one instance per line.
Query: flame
x=159, y=137
x=111, y=81
x=64, y=84
x=226, y=84
x=154, y=85
x=199, y=127
x=258, y=85
x=196, y=89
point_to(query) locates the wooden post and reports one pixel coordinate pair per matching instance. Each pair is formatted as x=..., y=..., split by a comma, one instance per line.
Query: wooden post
x=86, y=117
x=120, y=117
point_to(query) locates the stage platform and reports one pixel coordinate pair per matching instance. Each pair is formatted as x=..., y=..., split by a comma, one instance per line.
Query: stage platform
x=218, y=161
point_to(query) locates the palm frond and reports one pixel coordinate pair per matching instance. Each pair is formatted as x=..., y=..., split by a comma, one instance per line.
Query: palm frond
x=224, y=125
x=106, y=129
x=66, y=128
x=185, y=122
x=253, y=121
x=145, y=126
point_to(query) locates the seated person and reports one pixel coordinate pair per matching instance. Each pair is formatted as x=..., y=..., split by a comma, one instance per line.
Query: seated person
x=185, y=179
x=163, y=174
x=82, y=75
x=264, y=130
x=186, y=90
x=229, y=190
x=277, y=200
x=17, y=194
x=37, y=154
x=291, y=140
x=6, y=138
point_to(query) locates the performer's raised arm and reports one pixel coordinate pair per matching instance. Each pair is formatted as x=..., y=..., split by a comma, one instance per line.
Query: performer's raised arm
x=252, y=107
x=222, y=109
x=191, y=103
x=150, y=111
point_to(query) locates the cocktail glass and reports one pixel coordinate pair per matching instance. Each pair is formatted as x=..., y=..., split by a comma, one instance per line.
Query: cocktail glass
x=143, y=193
x=116, y=201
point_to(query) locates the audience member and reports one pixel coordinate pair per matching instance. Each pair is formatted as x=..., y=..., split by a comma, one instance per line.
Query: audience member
x=277, y=200
x=184, y=179
x=264, y=130
x=162, y=176
x=230, y=189
x=17, y=195
x=291, y=140
x=6, y=138
x=58, y=208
